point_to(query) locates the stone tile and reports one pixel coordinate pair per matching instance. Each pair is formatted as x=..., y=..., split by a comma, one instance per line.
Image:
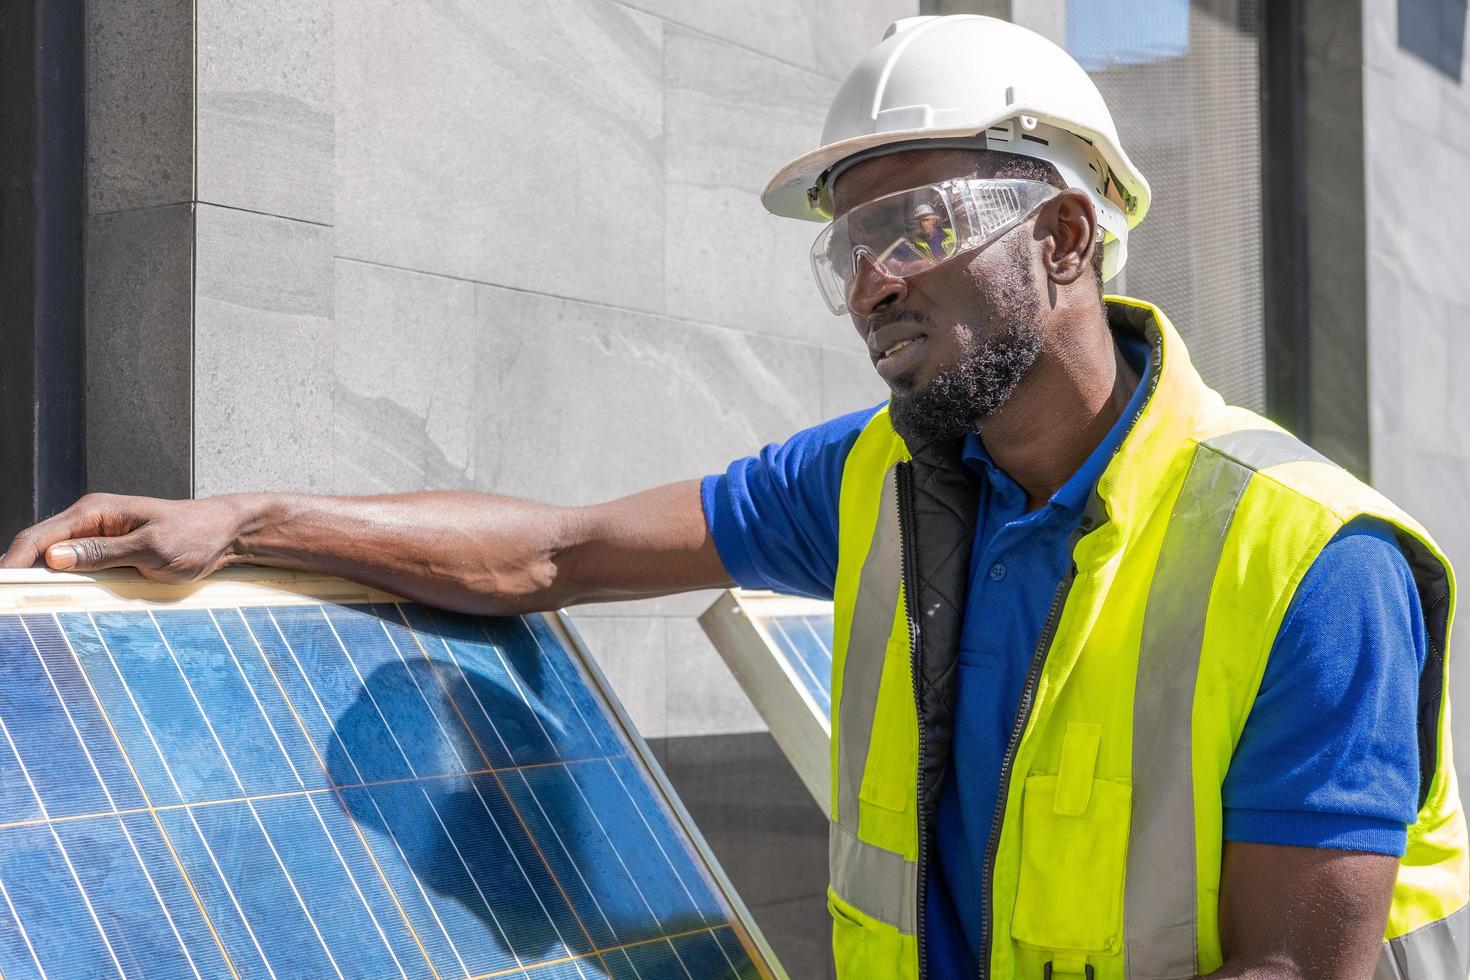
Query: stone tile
x=1386, y=388
x=578, y=403
x=849, y=382
x=1456, y=116
x=631, y=652
x=704, y=697
x=265, y=99
x=827, y=36
x=262, y=360
x=1046, y=17
x=404, y=377
x=799, y=931
x=139, y=332
x=769, y=836
x=140, y=104
x=1380, y=30
x=518, y=144
x=1425, y=327
x=732, y=118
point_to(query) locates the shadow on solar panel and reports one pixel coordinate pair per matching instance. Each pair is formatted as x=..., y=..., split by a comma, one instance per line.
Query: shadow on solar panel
x=280, y=776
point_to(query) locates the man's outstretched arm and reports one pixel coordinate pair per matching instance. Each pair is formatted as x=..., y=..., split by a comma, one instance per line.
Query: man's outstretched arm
x=467, y=551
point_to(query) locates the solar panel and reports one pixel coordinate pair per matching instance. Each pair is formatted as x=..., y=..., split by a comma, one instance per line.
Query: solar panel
x=275, y=775
x=780, y=650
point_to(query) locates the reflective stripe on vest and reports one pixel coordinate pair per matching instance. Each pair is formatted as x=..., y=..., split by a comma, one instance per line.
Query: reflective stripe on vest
x=1440, y=949
x=872, y=621
x=875, y=880
x=1160, y=911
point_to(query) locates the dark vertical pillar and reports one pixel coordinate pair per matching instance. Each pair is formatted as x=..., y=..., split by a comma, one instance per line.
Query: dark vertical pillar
x=1283, y=221
x=42, y=460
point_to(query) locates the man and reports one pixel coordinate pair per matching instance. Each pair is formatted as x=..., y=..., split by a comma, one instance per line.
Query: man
x=931, y=241
x=1126, y=682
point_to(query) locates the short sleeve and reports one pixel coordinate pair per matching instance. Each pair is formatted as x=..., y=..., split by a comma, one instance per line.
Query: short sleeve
x=773, y=516
x=1330, y=753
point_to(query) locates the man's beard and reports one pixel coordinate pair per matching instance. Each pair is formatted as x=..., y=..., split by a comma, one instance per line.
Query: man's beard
x=956, y=401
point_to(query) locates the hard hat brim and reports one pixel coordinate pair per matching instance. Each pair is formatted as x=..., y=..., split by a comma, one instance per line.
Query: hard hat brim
x=787, y=193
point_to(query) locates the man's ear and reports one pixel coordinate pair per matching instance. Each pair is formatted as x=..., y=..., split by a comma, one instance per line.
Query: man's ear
x=1070, y=224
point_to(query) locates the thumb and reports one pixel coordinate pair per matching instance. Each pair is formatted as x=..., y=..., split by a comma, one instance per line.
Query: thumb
x=91, y=554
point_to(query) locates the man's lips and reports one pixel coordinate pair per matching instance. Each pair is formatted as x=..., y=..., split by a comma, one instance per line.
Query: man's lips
x=888, y=341
x=901, y=356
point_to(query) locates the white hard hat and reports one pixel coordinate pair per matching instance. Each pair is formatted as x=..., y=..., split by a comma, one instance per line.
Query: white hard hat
x=924, y=211
x=984, y=83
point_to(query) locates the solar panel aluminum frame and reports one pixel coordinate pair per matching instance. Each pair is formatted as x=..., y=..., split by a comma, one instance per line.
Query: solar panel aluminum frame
x=736, y=625
x=44, y=591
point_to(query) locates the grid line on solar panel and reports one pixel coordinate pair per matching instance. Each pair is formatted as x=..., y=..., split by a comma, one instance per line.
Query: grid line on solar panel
x=132, y=845
x=398, y=698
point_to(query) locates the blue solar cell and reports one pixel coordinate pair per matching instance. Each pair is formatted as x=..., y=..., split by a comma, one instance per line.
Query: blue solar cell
x=311, y=790
x=806, y=643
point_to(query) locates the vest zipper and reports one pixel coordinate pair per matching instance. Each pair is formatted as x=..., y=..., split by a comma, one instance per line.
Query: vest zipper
x=1023, y=714
x=904, y=485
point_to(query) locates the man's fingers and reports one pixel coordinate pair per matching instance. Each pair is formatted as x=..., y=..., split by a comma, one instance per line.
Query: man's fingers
x=31, y=543
x=92, y=554
x=94, y=514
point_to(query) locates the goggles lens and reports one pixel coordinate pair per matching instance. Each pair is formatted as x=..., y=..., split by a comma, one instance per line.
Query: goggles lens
x=912, y=231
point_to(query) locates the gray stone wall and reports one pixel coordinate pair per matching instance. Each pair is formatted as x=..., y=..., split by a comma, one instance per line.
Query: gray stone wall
x=1416, y=150
x=509, y=247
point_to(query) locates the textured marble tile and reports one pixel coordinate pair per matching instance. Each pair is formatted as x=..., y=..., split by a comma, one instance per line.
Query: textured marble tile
x=1455, y=114
x=1387, y=398
x=1046, y=17
x=519, y=144
x=732, y=118
x=769, y=835
x=263, y=379
x=139, y=330
x=827, y=36
x=265, y=130
x=704, y=697
x=849, y=382
x=631, y=652
x=578, y=403
x=404, y=380
x=1424, y=331
x=1380, y=30
x=140, y=103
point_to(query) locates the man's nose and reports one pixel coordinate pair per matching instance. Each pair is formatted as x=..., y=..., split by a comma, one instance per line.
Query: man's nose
x=873, y=287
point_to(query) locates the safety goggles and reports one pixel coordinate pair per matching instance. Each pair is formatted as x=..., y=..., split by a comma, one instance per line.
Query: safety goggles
x=912, y=231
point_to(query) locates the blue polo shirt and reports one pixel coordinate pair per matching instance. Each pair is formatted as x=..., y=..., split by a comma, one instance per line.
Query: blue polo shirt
x=1329, y=755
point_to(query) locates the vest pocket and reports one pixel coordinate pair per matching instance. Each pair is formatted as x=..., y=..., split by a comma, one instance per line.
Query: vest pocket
x=863, y=947
x=893, y=752
x=1074, y=854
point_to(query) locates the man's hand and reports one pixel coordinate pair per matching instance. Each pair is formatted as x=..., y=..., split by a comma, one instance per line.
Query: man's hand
x=1302, y=913
x=166, y=540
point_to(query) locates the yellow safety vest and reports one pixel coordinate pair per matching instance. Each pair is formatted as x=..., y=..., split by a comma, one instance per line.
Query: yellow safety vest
x=1104, y=859
x=946, y=243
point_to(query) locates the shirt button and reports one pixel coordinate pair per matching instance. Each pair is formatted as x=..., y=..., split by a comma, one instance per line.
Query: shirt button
x=997, y=572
